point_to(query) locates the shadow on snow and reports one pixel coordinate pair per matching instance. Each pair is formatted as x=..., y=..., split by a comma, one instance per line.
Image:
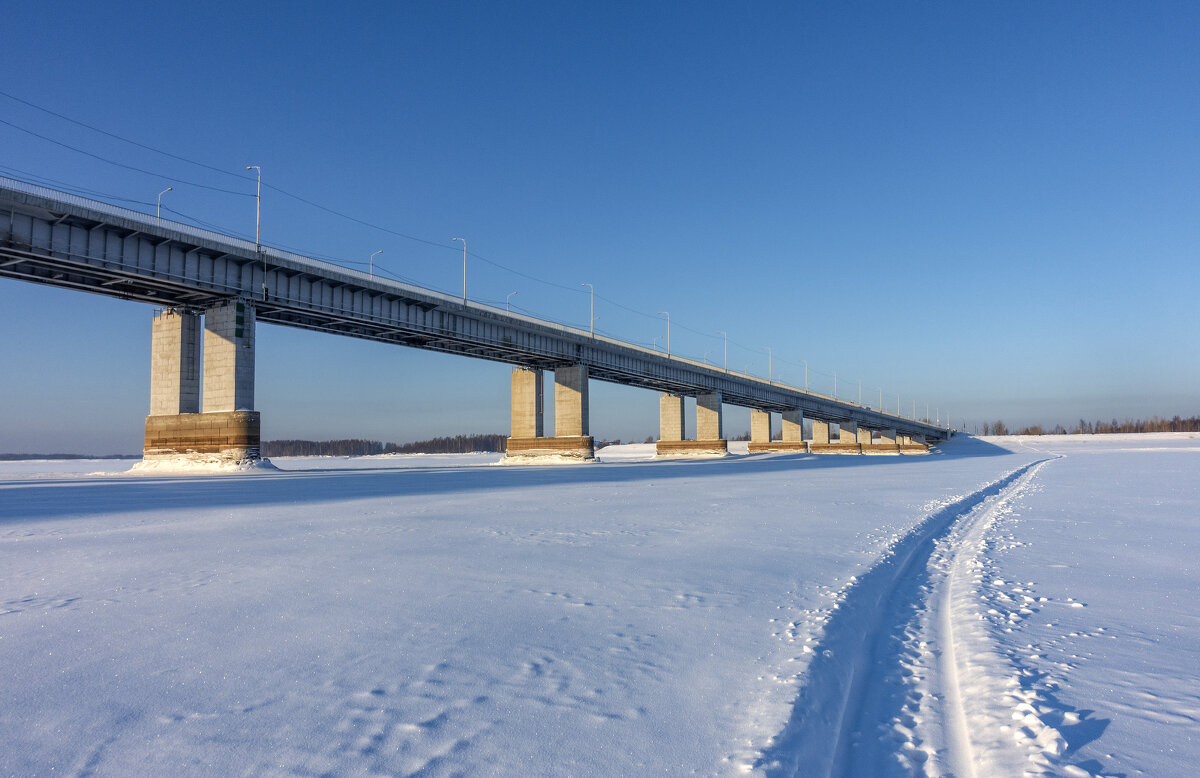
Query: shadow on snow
x=35, y=499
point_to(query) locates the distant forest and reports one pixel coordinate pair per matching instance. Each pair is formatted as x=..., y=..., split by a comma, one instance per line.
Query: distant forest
x=459, y=444
x=1155, y=424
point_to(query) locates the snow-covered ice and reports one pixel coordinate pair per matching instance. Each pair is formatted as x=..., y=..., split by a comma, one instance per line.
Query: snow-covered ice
x=1003, y=606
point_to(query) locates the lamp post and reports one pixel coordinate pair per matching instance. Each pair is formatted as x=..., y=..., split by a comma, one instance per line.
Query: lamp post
x=257, y=211
x=508, y=303
x=664, y=313
x=257, y=227
x=371, y=264
x=805, y=361
x=592, y=309
x=160, y=194
x=769, y=371
x=464, y=242
x=726, y=336
x=706, y=353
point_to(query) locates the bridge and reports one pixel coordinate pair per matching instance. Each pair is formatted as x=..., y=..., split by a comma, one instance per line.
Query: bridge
x=216, y=288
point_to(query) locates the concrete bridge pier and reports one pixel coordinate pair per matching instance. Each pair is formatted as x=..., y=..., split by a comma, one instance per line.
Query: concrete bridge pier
x=219, y=422
x=792, y=433
x=571, y=439
x=760, y=431
x=913, y=444
x=710, y=439
x=886, y=445
x=847, y=442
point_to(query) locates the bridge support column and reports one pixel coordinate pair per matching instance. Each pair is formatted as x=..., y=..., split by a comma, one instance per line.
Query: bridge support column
x=571, y=441
x=228, y=428
x=671, y=424
x=760, y=426
x=709, y=440
x=821, y=443
x=793, y=435
x=886, y=445
x=913, y=444
x=527, y=403
x=847, y=439
x=174, y=363
x=847, y=442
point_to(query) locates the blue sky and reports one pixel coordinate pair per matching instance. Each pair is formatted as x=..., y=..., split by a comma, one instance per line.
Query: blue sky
x=992, y=209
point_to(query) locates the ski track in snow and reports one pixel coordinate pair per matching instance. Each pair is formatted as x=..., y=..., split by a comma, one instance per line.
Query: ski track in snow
x=907, y=677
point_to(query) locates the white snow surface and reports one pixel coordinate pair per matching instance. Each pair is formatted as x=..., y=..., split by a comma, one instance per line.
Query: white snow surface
x=1004, y=606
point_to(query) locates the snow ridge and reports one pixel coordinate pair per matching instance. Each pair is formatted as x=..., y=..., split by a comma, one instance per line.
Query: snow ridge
x=861, y=708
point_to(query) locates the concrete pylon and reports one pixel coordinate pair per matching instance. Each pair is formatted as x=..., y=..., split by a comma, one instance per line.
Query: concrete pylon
x=913, y=444
x=847, y=442
x=228, y=428
x=229, y=357
x=793, y=426
x=527, y=403
x=571, y=401
x=571, y=441
x=175, y=363
x=760, y=426
x=670, y=417
x=887, y=444
x=709, y=428
x=710, y=422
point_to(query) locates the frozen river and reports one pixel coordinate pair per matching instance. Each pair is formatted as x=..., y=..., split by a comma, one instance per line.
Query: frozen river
x=1001, y=606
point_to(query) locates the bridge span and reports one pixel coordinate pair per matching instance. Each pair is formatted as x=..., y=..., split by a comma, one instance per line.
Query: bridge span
x=216, y=288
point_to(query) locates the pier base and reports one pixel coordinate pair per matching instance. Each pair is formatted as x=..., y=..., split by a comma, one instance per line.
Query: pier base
x=780, y=446
x=834, y=448
x=579, y=448
x=230, y=436
x=692, y=448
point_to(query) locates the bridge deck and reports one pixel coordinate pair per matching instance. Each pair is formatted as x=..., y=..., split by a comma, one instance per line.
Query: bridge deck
x=63, y=240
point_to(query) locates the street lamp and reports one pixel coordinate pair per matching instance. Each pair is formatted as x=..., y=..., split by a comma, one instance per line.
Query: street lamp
x=257, y=227
x=706, y=353
x=464, y=242
x=160, y=194
x=805, y=361
x=769, y=372
x=371, y=264
x=507, y=302
x=664, y=313
x=257, y=211
x=592, y=310
x=726, y=336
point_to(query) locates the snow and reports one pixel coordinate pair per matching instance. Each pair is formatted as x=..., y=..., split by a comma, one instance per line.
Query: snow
x=1004, y=606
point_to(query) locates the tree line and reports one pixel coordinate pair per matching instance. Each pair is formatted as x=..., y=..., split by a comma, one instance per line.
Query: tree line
x=1084, y=427
x=355, y=447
